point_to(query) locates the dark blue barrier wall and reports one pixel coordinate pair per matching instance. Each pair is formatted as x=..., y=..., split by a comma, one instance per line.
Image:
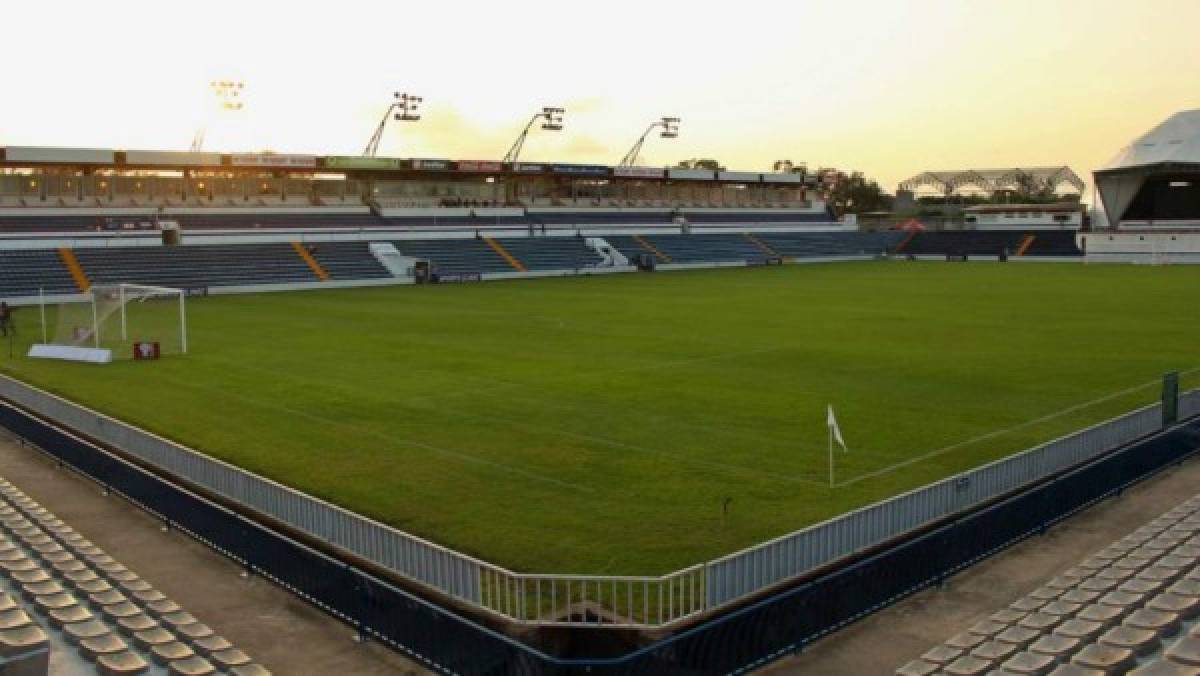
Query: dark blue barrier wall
x=734, y=642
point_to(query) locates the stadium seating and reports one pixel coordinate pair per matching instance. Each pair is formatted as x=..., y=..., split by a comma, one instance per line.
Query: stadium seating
x=300, y=219
x=1054, y=243
x=90, y=603
x=734, y=217
x=1132, y=607
x=293, y=214
x=600, y=217
x=455, y=256
x=24, y=272
x=992, y=243
x=706, y=248
x=551, y=253
x=443, y=221
x=819, y=244
x=196, y=266
x=735, y=247
x=33, y=223
x=348, y=260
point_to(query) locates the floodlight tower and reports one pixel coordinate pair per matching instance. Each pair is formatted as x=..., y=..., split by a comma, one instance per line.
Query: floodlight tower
x=229, y=98
x=406, y=105
x=670, y=129
x=553, y=121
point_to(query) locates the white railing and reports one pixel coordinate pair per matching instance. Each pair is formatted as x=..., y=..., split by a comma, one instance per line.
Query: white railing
x=598, y=600
x=753, y=569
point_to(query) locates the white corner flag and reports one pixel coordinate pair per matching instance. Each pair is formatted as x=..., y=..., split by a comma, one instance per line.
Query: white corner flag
x=835, y=434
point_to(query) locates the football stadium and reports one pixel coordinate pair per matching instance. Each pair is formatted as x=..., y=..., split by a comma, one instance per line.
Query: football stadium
x=324, y=413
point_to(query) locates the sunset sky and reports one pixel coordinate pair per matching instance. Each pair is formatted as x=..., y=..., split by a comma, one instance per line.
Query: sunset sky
x=889, y=88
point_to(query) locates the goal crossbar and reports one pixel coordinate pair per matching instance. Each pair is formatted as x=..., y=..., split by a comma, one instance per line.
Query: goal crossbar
x=124, y=291
x=161, y=290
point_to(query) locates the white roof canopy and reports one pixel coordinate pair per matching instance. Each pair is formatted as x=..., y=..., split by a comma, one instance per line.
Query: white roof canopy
x=1177, y=140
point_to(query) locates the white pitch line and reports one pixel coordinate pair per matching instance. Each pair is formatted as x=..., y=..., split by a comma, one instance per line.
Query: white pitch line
x=728, y=467
x=634, y=447
x=394, y=440
x=983, y=437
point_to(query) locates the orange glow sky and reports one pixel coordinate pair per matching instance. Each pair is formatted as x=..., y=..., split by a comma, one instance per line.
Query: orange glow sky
x=890, y=88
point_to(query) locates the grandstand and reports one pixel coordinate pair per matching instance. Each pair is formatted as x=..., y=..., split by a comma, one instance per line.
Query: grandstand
x=475, y=426
x=120, y=182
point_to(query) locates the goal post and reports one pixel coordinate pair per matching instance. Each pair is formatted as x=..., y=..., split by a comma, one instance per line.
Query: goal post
x=116, y=321
x=127, y=293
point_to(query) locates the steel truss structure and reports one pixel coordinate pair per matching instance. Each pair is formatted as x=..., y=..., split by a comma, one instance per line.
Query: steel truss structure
x=994, y=180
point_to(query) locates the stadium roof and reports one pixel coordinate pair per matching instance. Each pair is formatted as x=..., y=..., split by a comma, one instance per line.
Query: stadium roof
x=991, y=180
x=1174, y=141
x=1172, y=147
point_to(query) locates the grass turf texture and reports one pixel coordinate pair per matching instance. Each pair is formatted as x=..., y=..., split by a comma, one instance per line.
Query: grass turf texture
x=596, y=425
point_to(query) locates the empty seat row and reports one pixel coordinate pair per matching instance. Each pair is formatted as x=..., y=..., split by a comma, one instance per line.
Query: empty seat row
x=821, y=244
x=455, y=256
x=113, y=617
x=734, y=247
x=348, y=260
x=196, y=266
x=993, y=243
x=25, y=272
x=1132, y=607
x=299, y=219
x=551, y=253
x=734, y=217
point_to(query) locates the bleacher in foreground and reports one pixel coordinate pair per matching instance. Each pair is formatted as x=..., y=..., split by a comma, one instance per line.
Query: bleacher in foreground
x=61, y=593
x=1132, y=607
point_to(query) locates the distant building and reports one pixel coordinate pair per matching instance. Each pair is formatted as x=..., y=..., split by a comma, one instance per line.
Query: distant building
x=1063, y=216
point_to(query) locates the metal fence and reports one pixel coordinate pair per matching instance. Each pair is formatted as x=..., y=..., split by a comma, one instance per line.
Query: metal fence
x=731, y=643
x=615, y=601
x=756, y=568
x=1189, y=404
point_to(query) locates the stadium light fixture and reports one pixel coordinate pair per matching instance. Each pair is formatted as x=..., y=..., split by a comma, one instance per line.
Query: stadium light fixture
x=552, y=120
x=405, y=107
x=670, y=129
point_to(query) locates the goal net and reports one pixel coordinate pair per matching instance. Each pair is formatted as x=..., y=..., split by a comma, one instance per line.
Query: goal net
x=122, y=318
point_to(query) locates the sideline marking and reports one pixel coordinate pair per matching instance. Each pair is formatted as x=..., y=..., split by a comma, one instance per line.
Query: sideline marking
x=1006, y=430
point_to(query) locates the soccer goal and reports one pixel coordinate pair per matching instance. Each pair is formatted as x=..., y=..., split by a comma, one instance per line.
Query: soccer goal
x=115, y=321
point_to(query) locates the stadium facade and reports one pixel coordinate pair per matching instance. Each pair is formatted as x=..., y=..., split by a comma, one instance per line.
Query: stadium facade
x=99, y=179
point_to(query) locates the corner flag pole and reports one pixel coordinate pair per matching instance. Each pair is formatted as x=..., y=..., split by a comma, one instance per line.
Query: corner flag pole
x=830, y=456
x=835, y=434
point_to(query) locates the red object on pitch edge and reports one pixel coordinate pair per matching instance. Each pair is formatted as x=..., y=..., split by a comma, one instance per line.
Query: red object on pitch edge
x=145, y=350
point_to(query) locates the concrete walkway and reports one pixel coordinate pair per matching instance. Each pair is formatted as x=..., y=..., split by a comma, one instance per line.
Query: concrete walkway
x=283, y=633
x=889, y=639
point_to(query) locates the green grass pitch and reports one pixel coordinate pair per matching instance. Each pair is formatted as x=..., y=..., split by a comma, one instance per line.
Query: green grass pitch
x=597, y=425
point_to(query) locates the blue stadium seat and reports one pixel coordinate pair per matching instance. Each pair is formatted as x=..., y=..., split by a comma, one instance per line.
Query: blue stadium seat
x=24, y=272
